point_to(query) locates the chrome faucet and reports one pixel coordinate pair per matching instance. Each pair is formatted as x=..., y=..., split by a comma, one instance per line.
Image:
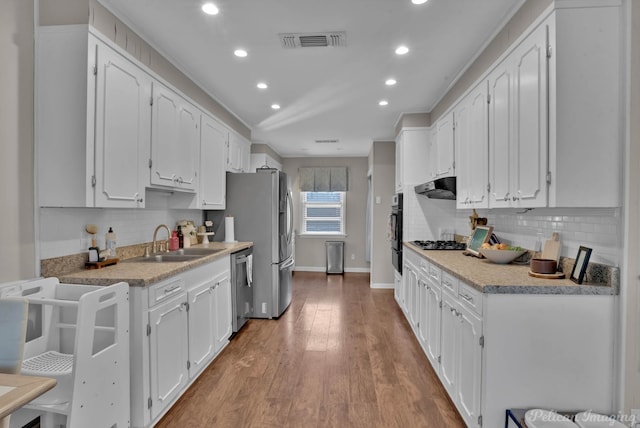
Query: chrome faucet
x=155, y=233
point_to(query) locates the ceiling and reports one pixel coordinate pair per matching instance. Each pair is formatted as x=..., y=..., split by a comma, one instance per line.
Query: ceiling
x=325, y=93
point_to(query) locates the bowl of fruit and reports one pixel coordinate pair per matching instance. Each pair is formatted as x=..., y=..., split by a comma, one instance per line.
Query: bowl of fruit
x=501, y=253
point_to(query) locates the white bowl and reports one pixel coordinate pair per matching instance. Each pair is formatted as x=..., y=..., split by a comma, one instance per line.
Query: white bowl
x=501, y=256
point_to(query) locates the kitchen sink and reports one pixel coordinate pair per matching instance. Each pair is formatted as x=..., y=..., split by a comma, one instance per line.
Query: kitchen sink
x=165, y=258
x=198, y=251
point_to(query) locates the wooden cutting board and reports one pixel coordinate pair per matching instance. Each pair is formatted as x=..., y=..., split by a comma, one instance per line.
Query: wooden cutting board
x=551, y=248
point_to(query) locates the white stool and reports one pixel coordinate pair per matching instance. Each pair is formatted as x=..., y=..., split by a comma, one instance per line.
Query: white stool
x=540, y=418
x=594, y=420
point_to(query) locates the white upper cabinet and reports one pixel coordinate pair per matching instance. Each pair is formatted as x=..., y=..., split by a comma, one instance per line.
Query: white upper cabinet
x=238, y=153
x=122, y=132
x=585, y=117
x=472, y=149
x=175, y=140
x=92, y=129
x=517, y=126
x=412, y=156
x=213, y=148
x=444, y=147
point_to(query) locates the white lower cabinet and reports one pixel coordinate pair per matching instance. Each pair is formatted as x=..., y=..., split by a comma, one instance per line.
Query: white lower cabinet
x=222, y=300
x=168, y=352
x=178, y=326
x=449, y=344
x=468, y=364
x=202, y=326
x=535, y=350
x=398, y=287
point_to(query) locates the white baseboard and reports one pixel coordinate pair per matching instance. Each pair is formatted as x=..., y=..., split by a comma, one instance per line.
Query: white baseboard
x=324, y=269
x=382, y=285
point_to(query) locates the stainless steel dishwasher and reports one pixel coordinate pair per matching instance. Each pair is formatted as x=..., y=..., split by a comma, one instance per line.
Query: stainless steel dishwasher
x=241, y=287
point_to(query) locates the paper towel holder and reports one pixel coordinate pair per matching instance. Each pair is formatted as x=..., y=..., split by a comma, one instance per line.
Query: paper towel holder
x=229, y=236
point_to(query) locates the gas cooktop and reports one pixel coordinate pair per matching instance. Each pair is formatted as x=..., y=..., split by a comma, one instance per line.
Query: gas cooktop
x=439, y=245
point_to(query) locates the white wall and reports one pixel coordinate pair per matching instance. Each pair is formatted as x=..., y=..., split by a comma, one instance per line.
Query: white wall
x=382, y=169
x=62, y=230
x=310, y=251
x=17, y=252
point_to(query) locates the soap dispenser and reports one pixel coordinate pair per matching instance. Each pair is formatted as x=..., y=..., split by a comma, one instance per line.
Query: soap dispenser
x=110, y=243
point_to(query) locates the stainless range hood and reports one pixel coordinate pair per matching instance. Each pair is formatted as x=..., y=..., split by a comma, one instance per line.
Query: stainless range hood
x=442, y=188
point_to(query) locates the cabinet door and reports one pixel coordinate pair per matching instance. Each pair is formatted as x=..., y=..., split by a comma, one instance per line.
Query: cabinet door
x=174, y=140
x=164, y=136
x=201, y=327
x=477, y=147
x=464, y=157
x=445, y=146
x=530, y=121
x=423, y=310
x=413, y=296
x=234, y=153
x=168, y=356
x=398, y=291
x=469, y=365
x=449, y=344
x=222, y=299
x=214, y=137
x=122, y=131
x=186, y=164
x=433, y=325
x=500, y=109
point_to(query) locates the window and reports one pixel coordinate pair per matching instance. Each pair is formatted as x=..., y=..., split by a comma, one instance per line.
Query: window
x=322, y=213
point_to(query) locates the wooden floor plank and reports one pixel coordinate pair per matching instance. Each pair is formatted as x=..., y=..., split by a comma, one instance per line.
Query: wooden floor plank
x=342, y=355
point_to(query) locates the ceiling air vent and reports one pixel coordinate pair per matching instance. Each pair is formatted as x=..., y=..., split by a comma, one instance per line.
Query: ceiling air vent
x=313, y=40
x=327, y=141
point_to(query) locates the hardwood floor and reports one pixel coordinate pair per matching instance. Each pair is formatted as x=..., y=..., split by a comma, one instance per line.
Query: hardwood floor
x=341, y=355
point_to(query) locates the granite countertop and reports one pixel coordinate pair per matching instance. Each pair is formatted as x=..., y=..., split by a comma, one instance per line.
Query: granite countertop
x=140, y=274
x=492, y=278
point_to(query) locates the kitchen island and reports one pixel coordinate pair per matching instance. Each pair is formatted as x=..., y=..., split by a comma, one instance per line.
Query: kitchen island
x=498, y=338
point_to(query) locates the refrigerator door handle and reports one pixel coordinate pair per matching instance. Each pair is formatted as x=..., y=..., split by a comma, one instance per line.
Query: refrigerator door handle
x=288, y=264
x=290, y=208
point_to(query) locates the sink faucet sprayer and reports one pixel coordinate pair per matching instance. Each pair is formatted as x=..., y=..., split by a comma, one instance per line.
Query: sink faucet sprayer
x=155, y=233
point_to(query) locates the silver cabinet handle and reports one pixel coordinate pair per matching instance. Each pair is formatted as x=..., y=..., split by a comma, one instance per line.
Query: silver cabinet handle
x=467, y=298
x=171, y=289
x=506, y=197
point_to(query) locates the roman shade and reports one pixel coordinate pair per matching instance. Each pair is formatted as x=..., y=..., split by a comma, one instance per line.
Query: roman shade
x=323, y=179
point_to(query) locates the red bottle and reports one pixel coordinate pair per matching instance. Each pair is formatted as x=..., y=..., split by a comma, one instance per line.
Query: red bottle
x=174, y=243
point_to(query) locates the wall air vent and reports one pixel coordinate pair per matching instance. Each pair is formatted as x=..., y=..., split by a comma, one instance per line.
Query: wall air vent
x=313, y=40
x=327, y=141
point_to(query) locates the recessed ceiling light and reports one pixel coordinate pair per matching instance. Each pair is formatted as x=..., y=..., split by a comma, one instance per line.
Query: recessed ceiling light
x=240, y=53
x=401, y=50
x=275, y=106
x=262, y=85
x=210, y=9
x=390, y=82
x=383, y=103
x=418, y=1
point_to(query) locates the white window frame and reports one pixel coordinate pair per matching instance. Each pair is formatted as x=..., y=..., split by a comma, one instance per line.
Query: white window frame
x=303, y=222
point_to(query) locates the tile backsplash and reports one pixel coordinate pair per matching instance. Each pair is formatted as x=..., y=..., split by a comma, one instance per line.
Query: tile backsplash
x=596, y=228
x=62, y=230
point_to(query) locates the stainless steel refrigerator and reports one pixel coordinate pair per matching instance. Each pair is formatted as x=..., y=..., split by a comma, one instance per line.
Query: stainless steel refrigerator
x=262, y=208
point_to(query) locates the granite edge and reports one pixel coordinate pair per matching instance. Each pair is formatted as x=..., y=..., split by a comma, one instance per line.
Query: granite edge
x=77, y=277
x=609, y=275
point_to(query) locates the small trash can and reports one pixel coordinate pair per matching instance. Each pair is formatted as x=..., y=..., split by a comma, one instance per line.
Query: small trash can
x=335, y=256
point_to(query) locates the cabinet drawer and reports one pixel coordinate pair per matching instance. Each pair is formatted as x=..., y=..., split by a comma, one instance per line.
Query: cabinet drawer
x=434, y=273
x=165, y=290
x=450, y=283
x=470, y=297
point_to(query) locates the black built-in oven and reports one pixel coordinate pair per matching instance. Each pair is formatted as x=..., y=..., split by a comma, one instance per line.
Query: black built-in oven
x=396, y=232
